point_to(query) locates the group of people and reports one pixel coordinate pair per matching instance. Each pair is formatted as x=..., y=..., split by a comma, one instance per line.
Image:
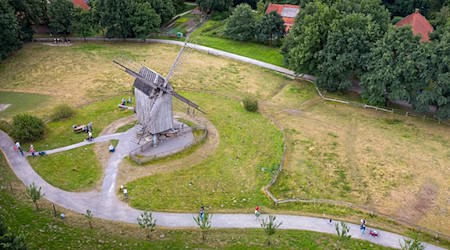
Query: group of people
x=17, y=146
x=124, y=101
x=57, y=40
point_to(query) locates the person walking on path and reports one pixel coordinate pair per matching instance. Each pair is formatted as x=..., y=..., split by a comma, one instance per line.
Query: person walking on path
x=202, y=212
x=363, y=226
x=18, y=147
x=257, y=212
x=32, y=151
x=125, y=193
x=90, y=138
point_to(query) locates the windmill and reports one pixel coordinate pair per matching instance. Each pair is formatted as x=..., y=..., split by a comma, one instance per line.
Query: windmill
x=153, y=96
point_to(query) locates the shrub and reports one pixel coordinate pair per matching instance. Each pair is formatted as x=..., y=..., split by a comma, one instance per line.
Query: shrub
x=250, y=103
x=5, y=126
x=27, y=128
x=61, y=112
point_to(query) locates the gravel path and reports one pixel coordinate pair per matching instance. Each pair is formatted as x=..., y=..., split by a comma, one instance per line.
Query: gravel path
x=106, y=205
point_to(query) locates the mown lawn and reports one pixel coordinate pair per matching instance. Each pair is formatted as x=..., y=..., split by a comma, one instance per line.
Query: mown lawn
x=249, y=151
x=210, y=35
x=43, y=231
x=21, y=102
x=101, y=114
x=72, y=170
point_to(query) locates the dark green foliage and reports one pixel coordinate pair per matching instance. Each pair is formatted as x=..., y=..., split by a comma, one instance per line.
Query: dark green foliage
x=60, y=13
x=62, y=112
x=5, y=126
x=250, y=103
x=83, y=22
x=27, y=128
x=9, y=30
x=144, y=21
x=9, y=240
x=252, y=3
x=405, y=7
x=214, y=5
x=270, y=29
x=241, y=24
x=333, y=40
x=164, y=8
x=113, y=17
x=29, y=12
x=179, y=5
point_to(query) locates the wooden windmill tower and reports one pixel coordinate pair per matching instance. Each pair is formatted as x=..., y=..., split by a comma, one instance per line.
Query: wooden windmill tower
x=153, y=96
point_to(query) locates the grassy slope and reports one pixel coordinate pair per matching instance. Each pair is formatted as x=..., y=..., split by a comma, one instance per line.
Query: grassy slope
x=44, y=231
x=21, y=102
x=209, y=35
x=231, y=177
x=73, y=170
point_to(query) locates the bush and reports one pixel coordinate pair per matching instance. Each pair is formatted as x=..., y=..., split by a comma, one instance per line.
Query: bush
x=61, y=112
x=27, y=128
x=5, y=126
x=250, y=103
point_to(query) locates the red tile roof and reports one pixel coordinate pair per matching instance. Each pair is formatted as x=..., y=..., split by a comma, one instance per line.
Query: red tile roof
x=287, y=11
x=81, y=3
x=419, y=25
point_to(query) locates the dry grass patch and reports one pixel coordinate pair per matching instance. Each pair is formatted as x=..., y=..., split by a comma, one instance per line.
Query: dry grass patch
x=396, y=165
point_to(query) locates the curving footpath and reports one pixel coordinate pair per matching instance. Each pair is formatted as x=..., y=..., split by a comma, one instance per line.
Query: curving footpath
x=106, y=205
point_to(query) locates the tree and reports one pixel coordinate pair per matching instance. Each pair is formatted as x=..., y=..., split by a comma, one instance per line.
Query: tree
x=146, y=221
x=204, y=223
x=60, y=14
x=241, y=24
x=252, y=3
x=344, y=56
x=29, y=12
x=214, y=5
x=270, y=28
x=144, y=21
x=113, y=16
x=89, y=215
x=35, y=194
x=179, y=5
x=27, y=128
x=342, y=230
x=393, y=65
x=405, y=7
x=412, y=244
x=9, y=30
x=165, y=9
x=9, y=240
x=308, y=36
x=270, y=227
x=82, y=22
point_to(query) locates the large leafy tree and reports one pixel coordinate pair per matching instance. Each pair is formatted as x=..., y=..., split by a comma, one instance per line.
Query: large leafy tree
x=214, y=5
x=60, y=14
x=83, y=23
x=394, y=68
x=241, y=24
x=164, y=8
x=29, y=12
x=113, y=16
x=308, y=36
x=145, y=20
x=405, y=7
x=252, y=3
x=270, y=28
x=9, y=30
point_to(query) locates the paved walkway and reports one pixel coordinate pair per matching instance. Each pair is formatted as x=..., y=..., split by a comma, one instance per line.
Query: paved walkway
x=106, y=205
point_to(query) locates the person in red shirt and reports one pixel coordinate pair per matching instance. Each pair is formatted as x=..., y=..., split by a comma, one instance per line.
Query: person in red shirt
x=257, y=212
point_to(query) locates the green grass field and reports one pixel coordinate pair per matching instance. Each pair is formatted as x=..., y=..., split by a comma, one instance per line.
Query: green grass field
x=73, y=170
x=209, y=34
x=231, y=177
x=43, y=231
x=21, y=102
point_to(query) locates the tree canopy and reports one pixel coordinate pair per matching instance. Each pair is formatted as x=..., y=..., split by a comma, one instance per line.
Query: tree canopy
x=60, y=16
x=270, y=28
x=9, y=30
x=241, y=24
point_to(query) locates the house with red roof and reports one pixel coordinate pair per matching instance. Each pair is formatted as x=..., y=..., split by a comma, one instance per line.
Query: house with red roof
x=287, y=11
x=81, y=3
x=419, y=25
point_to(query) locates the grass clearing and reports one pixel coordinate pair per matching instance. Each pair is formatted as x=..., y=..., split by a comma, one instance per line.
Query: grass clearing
x=231, y=177
x=344, y=153
x=72, y=170
x=101, y=114
x=210, y=34
x=21, y=102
